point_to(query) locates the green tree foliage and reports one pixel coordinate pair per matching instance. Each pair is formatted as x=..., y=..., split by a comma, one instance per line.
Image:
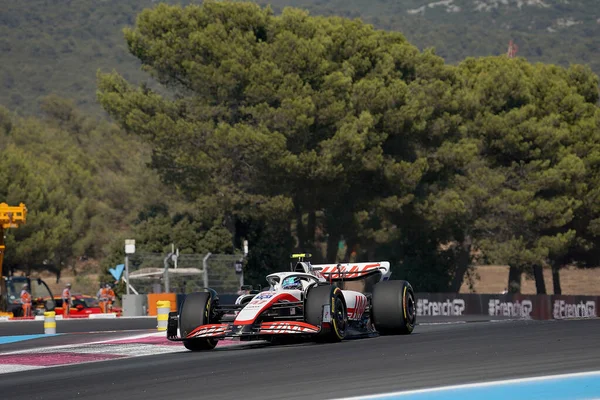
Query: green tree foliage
x=80, y=179
x=526, y=120
x=279, y=114
x=355, y=134
x=156, y=229
x=87, y=188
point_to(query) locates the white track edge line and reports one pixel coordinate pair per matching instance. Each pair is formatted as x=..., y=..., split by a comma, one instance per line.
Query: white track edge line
x=476, y=385
x=77, y=345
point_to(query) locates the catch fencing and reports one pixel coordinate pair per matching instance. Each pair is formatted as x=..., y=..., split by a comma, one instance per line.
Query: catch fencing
x=184, y=273
x=518, y=306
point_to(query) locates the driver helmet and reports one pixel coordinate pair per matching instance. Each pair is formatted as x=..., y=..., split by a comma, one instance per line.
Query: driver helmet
x=292, y=282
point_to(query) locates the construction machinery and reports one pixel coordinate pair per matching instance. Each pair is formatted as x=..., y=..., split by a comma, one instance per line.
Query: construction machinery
x=11, y=286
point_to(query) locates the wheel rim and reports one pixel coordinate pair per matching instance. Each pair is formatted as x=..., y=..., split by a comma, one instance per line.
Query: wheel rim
x=340, y=316
x=410, y=308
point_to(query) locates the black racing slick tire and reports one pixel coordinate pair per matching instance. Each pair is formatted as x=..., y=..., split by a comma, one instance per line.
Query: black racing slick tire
x=332, y=298
x=196, y=311
x=393, y=307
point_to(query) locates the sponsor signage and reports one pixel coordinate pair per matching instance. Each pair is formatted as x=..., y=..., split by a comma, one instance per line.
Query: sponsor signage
x=287, y=327
x=519, y=309
x=446, y=307
x=517, y=306
x=564, y=307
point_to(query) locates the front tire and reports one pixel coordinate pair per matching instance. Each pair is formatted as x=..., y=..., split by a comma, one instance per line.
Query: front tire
x=394, y=308
x=196, y=311
x=332, y=298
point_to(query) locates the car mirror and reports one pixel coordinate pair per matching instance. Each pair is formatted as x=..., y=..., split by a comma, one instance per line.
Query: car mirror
x=79, y=306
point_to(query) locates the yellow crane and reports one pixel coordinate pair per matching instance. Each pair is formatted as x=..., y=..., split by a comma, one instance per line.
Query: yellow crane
x=10, y=217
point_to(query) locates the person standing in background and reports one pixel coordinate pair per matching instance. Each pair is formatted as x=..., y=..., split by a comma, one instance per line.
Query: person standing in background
x=26, y=300
x=101, y=295
x=66, y=301
x=103, y=298
x=110, y=297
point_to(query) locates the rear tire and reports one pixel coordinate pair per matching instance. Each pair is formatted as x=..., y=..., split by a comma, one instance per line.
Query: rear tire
x=394, y=308
x=196, y=311
x=333, y=298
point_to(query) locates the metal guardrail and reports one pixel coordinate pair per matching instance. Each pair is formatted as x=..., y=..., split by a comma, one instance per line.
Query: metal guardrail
x=182, y=273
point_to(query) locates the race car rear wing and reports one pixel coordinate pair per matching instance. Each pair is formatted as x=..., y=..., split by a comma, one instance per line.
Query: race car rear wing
x=351, y=271
x=341, y=271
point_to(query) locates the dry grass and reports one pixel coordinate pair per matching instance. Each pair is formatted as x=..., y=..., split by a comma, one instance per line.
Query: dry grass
x=86, y=280
x=494, y=279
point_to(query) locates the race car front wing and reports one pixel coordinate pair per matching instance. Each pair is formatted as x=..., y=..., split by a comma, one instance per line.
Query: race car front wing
x=230, y=330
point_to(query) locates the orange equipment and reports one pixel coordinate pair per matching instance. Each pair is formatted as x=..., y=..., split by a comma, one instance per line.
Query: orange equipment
x=10, y=217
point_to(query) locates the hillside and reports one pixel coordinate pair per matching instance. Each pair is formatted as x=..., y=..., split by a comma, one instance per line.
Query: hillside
x=551, y=31
x=48, y=47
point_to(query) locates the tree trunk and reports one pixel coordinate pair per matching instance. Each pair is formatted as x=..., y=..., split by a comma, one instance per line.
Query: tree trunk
x=229, y=223
x=300, y=232
x=350, y=243
x=514, y=279
x=556, y=279
x=332, y=246
x=463, y=264
x=311, y=227
x=540, y=284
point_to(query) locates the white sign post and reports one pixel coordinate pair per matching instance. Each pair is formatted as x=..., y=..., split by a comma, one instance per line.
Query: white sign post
x=245, y=255
x=129, y=249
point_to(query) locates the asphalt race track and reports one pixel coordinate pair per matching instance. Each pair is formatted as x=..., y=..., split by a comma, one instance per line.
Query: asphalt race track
x=433, y=355
x=141, y=323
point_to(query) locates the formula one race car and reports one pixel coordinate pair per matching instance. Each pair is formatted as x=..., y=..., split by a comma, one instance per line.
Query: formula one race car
x=327, y=302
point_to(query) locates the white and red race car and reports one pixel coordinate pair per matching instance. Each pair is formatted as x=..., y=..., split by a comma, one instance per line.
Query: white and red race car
x=322, y=302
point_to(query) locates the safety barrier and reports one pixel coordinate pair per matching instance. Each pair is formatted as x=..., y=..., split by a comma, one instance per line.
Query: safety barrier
x=49, y=323
x=154, y=298
x=59, y=317
x=519, y=306
x=163, y=308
